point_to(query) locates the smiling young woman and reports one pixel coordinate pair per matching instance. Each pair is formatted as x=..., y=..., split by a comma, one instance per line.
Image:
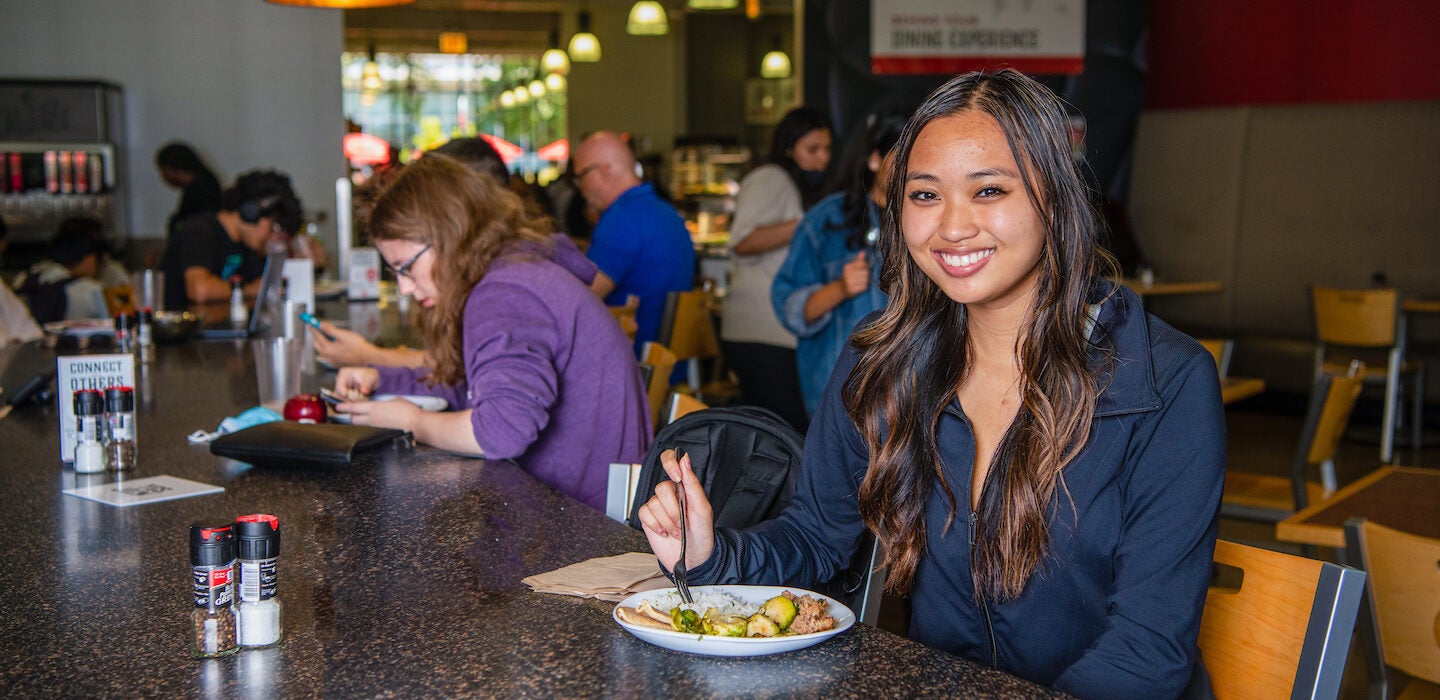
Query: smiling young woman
x=1041, y=460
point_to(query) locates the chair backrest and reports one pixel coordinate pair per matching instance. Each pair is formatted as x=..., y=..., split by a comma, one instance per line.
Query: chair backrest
x=681, y=404
x=687, y=327
x=1285, y=632
x=1220, y=349
x=1356, y=317
x=661, y=361
x=1404, y=571
x=1334, y=400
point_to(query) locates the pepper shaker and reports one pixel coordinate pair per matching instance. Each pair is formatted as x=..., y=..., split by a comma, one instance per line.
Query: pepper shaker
x=120, y=415
x=212, y=563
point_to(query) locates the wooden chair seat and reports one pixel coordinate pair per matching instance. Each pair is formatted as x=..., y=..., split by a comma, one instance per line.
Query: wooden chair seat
x=1264, y=492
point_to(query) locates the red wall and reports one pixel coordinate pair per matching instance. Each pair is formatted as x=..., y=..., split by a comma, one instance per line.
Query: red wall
x=1208, y=53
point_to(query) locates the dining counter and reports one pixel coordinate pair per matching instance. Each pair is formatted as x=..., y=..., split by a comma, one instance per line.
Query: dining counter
x=400, y=576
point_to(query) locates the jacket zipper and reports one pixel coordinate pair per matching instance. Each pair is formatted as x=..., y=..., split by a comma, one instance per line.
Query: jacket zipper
x=980, y=595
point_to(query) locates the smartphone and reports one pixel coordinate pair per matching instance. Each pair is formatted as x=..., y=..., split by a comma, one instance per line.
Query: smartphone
x=315, y=323
x=329, y=397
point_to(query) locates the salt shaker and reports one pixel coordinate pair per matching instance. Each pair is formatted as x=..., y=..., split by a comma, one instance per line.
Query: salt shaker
x=238, y=313
x=124, y=333
x=212, y=565
x=120, y=417
x=89, y=451
x=257, y=612
x=145, y=335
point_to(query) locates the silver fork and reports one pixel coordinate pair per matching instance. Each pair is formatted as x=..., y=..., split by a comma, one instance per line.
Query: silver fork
x=678, y=570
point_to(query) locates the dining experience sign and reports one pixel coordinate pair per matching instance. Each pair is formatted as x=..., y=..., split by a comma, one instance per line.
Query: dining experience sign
x=1044, y=37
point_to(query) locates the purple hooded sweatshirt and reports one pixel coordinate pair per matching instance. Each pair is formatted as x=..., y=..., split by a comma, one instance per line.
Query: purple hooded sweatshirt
x=550, y=376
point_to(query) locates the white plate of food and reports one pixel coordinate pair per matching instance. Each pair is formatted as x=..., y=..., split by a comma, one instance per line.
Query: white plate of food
x=426, y=403
x=642, y=614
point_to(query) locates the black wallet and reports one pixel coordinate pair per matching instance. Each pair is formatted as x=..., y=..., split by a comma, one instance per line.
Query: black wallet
x=289, y=444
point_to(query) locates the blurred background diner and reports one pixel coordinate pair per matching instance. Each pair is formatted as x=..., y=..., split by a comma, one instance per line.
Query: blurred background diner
x=1261, y=180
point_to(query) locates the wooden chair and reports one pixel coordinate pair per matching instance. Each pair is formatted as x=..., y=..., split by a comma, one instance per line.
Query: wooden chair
x=681, y=404
x=1285, y=632
x=625, y=316
x=1361, y=320
x=1256, y=496
x=1400, y=620
x=687, y=327
x=660, y=361
x=1220, y=349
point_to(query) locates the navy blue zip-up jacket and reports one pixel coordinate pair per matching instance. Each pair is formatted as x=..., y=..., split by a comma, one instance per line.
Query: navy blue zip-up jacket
x=1114, y=611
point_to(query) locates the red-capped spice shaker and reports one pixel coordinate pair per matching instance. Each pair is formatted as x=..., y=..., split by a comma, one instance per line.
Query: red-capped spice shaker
x=120, y=417
x=212, y=563
x=257, y=612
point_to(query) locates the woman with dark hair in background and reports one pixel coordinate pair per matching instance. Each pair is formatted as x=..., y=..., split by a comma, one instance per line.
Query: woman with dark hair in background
x=1040, y=459
x=771, y=200
x=180, y=167
x=533, y=365
x=831, y=277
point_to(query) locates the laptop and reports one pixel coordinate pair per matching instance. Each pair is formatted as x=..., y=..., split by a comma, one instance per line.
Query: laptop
x=265, y=298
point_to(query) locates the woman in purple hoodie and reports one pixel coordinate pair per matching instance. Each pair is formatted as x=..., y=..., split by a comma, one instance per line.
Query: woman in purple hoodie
x=534, y=367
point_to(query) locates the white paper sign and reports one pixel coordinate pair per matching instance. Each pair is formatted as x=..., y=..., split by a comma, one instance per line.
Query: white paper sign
x=299, y=276
x=76, y=372
x=364, y=274
x=137, y=492
x=955, y=36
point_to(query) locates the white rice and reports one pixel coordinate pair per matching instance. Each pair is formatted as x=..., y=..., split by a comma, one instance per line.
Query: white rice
x=725, y=603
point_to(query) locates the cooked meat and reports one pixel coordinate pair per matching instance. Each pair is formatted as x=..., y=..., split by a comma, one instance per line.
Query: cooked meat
x=811, y=617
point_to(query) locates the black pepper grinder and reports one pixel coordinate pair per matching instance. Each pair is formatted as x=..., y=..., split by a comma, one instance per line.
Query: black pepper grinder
x=212, y=562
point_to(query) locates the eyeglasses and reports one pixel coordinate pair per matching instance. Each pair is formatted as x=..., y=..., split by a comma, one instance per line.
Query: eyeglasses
x=580, y=174
x=403, y=269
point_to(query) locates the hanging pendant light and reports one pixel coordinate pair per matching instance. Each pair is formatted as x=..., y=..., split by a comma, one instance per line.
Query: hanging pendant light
x=713, y=4
x=507, y=100
x=536, y=88
x=584, y=47
x=554, y=60
x=522, y=95
x=555, y=83
x=776, y=64
x=647, y=18
x=370, y=73
x=341, y=4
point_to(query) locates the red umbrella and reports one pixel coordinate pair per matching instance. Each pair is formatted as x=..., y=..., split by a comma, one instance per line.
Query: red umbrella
x=555, y=151
x=508, y=151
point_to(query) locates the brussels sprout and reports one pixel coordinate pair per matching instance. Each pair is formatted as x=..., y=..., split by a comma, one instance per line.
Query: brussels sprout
x=760, y=626
x=682, y=620
x=724, y=625
x=780, y=610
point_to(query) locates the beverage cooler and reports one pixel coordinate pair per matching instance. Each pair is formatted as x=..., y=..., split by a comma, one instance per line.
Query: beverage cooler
x=60, y=156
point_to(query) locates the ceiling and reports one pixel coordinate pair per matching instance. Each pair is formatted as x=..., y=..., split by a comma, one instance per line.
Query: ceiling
x=490, y=26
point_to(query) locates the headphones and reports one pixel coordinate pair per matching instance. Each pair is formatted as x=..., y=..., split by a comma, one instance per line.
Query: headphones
x=251, y=211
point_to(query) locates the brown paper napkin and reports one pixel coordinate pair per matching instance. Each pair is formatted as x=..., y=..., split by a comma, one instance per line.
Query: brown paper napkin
x=606, y=578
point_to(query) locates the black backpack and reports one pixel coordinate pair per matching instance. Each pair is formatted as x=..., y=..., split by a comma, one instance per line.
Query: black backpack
x=747, y=458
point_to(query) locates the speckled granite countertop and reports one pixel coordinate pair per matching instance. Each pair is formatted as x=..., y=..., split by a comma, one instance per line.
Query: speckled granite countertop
x=399, y=576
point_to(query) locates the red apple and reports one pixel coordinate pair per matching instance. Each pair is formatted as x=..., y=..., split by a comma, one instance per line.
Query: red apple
x=305, y=408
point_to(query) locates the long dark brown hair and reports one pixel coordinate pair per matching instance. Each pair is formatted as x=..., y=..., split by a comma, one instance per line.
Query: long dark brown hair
x=468, y=220
x=914, y=356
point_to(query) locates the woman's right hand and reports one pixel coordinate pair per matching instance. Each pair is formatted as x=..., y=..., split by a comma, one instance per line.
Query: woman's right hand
x=660, y=516
x=353, y=383
x=348, y=347
x=855, y=276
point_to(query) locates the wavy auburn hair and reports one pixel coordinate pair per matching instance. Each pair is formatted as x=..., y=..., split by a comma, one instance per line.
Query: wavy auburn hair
x=468, y=220
x=914, y=356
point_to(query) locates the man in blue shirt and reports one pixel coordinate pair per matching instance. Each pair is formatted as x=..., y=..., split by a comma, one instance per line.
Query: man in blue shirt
x=640, y=244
